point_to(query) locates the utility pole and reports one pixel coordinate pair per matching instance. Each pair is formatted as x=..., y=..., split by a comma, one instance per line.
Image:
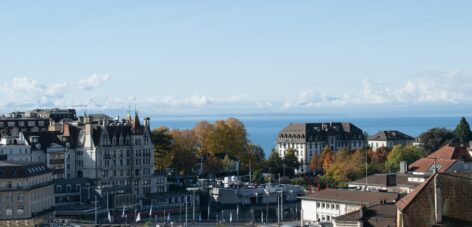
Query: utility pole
x=186, y=200
x=366, y=167
x=193, y=204
x=96, y=215
x=282, y=205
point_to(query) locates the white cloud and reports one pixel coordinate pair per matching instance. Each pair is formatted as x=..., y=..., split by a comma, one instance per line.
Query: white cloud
x=92, y=82
x=26, y=92
x=451, y=87
x=437, y=88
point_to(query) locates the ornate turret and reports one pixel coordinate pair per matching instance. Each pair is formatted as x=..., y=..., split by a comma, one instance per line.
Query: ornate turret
x=135, y=123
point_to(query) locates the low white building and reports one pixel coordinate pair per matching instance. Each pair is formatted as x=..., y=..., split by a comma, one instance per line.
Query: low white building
x=323, y=206
x=388, y=139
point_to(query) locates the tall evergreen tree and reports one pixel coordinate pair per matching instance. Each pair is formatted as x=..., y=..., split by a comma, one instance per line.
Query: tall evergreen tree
x=462, y=131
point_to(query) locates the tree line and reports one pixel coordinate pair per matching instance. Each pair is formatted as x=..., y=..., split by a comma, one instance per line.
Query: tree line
x=194, y=151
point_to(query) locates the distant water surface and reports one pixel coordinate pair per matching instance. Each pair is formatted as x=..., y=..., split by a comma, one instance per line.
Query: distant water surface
x=264, y=129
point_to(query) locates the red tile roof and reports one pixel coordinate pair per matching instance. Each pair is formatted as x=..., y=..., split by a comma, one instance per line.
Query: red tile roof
x=424, y=165
x=451, y=152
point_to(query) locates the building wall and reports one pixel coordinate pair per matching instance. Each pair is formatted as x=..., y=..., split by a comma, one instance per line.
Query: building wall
x=324, y=210
x=305, y=150
x=26, y=197
x=376, y=144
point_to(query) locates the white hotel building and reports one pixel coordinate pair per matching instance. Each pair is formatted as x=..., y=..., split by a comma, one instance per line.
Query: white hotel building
x=311, y=138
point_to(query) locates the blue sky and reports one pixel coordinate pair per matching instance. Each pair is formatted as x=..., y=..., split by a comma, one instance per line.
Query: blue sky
x=238, y=56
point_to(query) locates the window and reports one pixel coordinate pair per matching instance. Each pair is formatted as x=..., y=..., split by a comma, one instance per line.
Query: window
x=11, y=124
x=31, y=123
x=41, y=123
x=337, y=206
x=58, y=188
x=68, y=188
x=318, y=205
x=20, y=197
x=77, y=187
x=323, y=205
x=20, y=210
x=21, y=124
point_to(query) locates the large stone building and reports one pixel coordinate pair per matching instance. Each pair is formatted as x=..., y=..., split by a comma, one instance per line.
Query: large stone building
x=308, y=139
x=116, y=153
x=388, y=139
x=26, y=189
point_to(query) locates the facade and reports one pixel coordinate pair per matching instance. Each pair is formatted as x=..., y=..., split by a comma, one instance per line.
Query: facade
x=442, y=200
x=26, y=189
x=391, y=182
x=323, y=206
x=15, y=148
x=308, y=139
x=388, y=139
x=380, y=215
x=116, y=153
x=13, y=123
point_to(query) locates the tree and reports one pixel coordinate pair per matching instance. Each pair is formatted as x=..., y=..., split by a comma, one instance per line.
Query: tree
x=400, y=153
x=184, y=149
x=274, y=163
x=326, y=157
x=290, y=163
x=434, y=138
x=162, y=141
x=462, y=131
x=227, y=163
x=315, y=162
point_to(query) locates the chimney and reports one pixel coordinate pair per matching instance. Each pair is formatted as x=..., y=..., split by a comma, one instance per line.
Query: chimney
x=437, y=200
x=362, y=212
x=403, y=167
x=147, y=123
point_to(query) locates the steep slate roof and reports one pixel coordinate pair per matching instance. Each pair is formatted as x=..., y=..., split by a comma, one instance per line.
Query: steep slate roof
x=45, y=139
x=390, y=135
x=351, y=196
x=451, y=152
x=381, y=180
x=17, y=169
x=308, y=132
x=381, y=215
x=375, y=179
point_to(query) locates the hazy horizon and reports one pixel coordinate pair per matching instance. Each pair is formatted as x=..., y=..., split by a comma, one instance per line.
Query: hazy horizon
x=206, y=57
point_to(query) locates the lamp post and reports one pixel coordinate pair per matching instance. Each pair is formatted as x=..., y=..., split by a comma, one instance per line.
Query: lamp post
x=291, y=197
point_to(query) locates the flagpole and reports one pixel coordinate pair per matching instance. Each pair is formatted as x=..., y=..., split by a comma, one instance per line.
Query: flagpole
x=186, y=199
x=237, y=212
x=96, y=210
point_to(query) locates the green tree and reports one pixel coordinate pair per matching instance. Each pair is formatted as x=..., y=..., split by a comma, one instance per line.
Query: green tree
x=434, y=138
x=162, y=141
x=274, y=163
x=400, y=153
x=462, y=131
x=290, y=162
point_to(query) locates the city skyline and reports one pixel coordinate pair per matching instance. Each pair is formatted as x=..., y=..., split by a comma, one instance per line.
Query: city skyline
x=245, y=57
